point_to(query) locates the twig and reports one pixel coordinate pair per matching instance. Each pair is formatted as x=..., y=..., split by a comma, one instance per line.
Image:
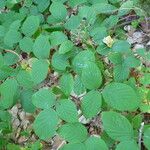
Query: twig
x=13, y=52
x=63, y=142
x=140, y=134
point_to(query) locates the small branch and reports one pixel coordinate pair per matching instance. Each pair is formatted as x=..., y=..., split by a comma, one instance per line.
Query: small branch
x=140, y=135
x=13, y=52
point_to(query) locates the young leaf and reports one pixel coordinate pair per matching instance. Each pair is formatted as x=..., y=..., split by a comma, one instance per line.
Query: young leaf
x=91, y=76
x=121, y=96
x=91, y=104
x=117, y=126
x=67, y=110
x=73, y=132
x=43, y=99
x=45, y=124
x=41, y=47
x=39, y=70
x=30, y=25
x=66, y=83
x=95, y=143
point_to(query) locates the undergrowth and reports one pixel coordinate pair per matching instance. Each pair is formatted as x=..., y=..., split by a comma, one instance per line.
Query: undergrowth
x=63, y=60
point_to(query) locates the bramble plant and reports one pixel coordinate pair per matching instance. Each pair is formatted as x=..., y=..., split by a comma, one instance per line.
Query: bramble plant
x=67, y=59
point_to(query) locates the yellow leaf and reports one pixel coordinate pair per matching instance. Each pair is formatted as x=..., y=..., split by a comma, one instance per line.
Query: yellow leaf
x=108, y=41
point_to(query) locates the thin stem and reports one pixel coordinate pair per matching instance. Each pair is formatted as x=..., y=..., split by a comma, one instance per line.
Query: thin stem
x=140, y=134
x=13, y=52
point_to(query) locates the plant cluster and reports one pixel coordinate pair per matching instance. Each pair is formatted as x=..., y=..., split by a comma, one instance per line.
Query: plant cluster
x=67, y=59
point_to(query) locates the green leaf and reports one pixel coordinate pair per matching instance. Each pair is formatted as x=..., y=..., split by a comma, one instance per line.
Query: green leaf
x=74, y=3
x=41, y=47
x=125, y=7
x=73, y=22
x=15, y=25
x=42, y=5
x=98, y=1
x=114, y=1
x=24, y=79
x=145, y=79
x=121, y=96
x=13, y=147
x=132, y=62
x=103, y=49
x=91, y=104
x=127, y=145
x=98, y=34
x=39, y=70
x=30, y=25
x=73, y=146
x=59, y=61
x=95, y=143
x=117, y=126
x=73, y=132
x=12, y=37
x=10, y=59
x=104, y=8
x=26, y=44
x=147, y=138
x=116, y=58
x=121, y=72
x=5, y=116
x=111, y=21
x=2, y=31
x=66, y=83
x=91, y=76
x=58, y=14
x=78, y=86
x=26, y=103
x=57, y=38
x=43, y=99
x=67, y=111
x=65, y=47
x=121, y=46
x=2, y=4
x=136, y=121
x=81, y=59
x=45, y=124
x=8, y=97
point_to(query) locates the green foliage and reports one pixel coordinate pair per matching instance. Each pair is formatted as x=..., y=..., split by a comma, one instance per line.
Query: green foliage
x=45, y=124
x=91, y=104
x=67, y=110
x=73, y=132
x=69, y=64
x=117, y=126
x=121, y=97
x=30, y=25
